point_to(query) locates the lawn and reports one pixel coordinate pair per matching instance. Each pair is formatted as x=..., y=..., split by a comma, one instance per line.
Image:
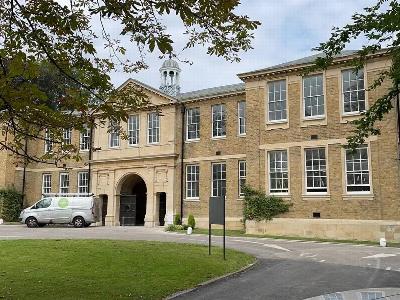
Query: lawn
x=103, y=269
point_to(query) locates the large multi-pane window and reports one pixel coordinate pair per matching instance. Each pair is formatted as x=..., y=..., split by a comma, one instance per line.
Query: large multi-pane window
x=313, y=95
x=357, y=170
x=242, y=117
x=277, y=101
x=64, y=183
x=67, y=136
x=84, y=139
x=353, y=91
x=48, y=142
x=218, y=179
x=241, y=176
x=133, y=130
x=83, y=182
x=192, y=181
x=193, y=124
x=218, y=120
x=373, y=295
x=316, y=179
x=278, y=172
x=46, y=184
x=153, y=128
x=114, y=134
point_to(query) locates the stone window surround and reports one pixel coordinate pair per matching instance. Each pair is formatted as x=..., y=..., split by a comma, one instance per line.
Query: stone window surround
x=136, y=130
x=187, y=125
x=65, y=186
x=268, y=173
x=187, y=182
x=83, y=144
x=223, y=121
x=239, y=118
x=220, y=179
x=67, y=136
x=48, y=143
x=241, y=177
x=319, y=170
x=85, y=179
x=157, y=128
x=111, y=139
x=278, y=124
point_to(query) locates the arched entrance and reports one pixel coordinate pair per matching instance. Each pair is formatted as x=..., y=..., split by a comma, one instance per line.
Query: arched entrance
x=133, y=198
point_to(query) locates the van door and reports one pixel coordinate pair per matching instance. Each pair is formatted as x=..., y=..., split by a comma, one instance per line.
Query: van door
x=63, y=210
x=43, y=210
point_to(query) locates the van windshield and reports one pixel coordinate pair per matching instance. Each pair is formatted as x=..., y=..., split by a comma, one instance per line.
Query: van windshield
x=44, y=203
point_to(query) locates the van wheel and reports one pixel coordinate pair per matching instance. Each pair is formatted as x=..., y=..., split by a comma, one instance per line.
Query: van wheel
x=31, y=222
x=78, y=222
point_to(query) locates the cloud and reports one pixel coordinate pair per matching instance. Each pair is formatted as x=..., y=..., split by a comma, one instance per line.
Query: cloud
x=289, y=30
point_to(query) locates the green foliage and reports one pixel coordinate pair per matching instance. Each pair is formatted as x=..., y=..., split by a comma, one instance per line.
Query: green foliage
x=259, y=206
x=379, y=26
x=173, y=227
x=53, y=77
x=191, y=221
x=10, y=204
x=177, y=219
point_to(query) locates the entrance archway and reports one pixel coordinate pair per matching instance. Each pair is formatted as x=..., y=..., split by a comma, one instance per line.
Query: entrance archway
x=133, y=198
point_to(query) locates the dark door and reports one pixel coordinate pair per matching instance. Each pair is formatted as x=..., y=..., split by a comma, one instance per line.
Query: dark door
x=127, y=213
x=104, y=210
x=163, y=208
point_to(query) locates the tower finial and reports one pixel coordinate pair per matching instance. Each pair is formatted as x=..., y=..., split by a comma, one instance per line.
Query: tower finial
x=170, y=73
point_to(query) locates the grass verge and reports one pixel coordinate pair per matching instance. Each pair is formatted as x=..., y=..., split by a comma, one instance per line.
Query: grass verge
x=242, y=233
x=103, y=269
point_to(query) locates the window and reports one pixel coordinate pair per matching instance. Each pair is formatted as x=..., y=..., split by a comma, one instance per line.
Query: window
x=153, y=121
x=218, y=120
x=277, y=101
x=83, y=182
x=67, y=136
x=46, y=184
x=133, y=130
x=192, y=181
x=44, y=203
x=372, y=295
x=278, y=172
x=313, y=95
x=64, y=183
x=335, y=296
x=218, y=179
x=357, y=170
x=48, y=143
x=114, y=134
x=353, y=91
x=242, y=176
x=316, y=180
x=242, y=117
x=84, y=141
x=193, y=124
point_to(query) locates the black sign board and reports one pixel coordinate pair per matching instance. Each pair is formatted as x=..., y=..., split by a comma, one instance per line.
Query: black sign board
x=216, y=215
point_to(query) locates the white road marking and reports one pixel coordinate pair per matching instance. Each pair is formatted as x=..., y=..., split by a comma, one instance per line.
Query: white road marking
x=308, y=242
x=380, y=255
x=294, y=241
x=264, y=245
x=388, y=268
x=326, y=243
x=302, y=254
x=311, y=256
x=322, y=260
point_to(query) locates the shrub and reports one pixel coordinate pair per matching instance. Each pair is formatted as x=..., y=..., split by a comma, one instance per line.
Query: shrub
x=10, y=204
x=191, y=221
x=172, y=227
x=177, y=219
x=259, y=206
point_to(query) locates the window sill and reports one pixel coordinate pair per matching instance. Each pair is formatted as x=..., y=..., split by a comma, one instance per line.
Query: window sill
x=281, y=124
x=243, y=135
x=216, y=138
x=283, y=196
x=133, y=146
x=359, y=196
x=192, y=199
x=313, y=197
x=114, y=147
x=192, y=141
x=277, y=122
x=153, y=144
x=348, y=117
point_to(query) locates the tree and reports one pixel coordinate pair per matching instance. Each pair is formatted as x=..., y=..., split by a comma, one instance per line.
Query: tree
x=52, y=78
x=380, y=25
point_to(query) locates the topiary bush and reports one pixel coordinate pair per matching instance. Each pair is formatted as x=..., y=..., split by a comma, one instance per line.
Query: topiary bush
x=10, y=204
x=177, y=219
x=191, y=221
x=258, y=206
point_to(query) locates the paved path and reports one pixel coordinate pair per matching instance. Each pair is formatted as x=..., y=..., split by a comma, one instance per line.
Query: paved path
x=286, y=269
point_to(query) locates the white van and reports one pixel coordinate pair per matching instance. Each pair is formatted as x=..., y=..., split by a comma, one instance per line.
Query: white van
x=76, y=210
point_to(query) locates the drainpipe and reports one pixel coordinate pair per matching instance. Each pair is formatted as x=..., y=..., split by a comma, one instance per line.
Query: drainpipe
x=183, y=111
x=90, y=159
x=398, y=122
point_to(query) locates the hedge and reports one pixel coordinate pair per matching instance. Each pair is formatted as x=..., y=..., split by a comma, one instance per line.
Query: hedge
x=10, y=204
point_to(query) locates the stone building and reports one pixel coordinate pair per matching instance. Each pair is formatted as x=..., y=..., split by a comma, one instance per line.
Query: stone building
x=278, y=131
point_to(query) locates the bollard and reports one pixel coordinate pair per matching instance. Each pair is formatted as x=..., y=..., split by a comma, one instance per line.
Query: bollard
x=1, y=221
x=189, y=230
x=382, y=242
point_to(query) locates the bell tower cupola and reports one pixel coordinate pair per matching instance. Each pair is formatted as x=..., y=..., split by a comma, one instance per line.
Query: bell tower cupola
x=170, y=73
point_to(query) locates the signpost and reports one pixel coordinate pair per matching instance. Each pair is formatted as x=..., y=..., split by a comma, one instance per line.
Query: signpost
x=216, y=215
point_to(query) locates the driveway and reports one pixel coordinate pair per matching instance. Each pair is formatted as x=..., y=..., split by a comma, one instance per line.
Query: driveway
x=287, y=269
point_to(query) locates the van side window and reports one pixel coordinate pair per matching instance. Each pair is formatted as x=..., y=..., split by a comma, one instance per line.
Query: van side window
x=44, y=203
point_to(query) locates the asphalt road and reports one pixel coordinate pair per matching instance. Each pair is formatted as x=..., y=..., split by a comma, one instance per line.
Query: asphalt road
x=286, y=269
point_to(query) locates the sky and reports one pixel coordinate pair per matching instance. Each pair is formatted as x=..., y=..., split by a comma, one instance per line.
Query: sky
x=289, y=30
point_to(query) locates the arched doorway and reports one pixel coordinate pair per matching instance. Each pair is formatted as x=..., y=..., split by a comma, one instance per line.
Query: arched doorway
x=133, y=198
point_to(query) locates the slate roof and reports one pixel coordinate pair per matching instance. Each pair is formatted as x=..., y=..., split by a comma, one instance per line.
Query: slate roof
x=302, y=61
x=210, y=92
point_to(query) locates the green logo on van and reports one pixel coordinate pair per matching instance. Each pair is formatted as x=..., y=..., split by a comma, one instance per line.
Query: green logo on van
x=63, y=202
